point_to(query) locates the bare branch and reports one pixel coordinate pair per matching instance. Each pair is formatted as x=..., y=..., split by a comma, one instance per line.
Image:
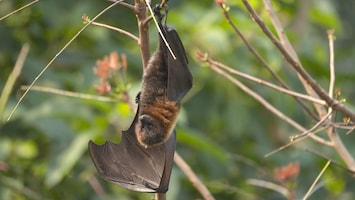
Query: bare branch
x=140, y=10
x=69, y=93
x=96, y=186
x=315, y=181
x=268, y=84
x=192, y=177
x=18, y=10
x=331, y=64
x=124, y=4
x=117, y=29
x=309, y=131
x=13, y=77
x=269, y=185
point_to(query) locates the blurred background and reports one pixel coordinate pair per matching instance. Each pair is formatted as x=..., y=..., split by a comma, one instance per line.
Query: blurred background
x=222, y=133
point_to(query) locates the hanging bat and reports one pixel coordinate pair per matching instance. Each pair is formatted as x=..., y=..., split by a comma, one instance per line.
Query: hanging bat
x=144, y=158
x=165, y=82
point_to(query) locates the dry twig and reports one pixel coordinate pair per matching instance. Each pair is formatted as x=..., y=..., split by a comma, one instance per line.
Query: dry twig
x=192, y=177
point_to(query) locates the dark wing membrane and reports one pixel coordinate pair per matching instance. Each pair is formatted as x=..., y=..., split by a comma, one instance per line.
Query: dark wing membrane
x=179, y=75
x=169, y=161
x=132, y=166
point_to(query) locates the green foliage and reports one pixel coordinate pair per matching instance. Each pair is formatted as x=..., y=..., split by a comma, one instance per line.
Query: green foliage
x=222, y=133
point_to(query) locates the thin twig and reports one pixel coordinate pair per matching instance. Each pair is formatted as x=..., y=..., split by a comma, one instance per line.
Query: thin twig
x=268, y=84
x=269, y=185
x=331, y=65
x=13, y=77
x=19, y=9
x=331, y=61
x=56, y=56
x=96, y=186
x=192, y=177
x=124, y=4
x=331, y=160
x=319, y=123
x=310, y=134
x=279, y=29
x=117, y=29
x=159, y=30
x=70, y=94
x=316, y=180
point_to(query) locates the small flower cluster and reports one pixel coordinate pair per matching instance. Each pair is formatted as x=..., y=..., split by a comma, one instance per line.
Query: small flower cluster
x=108, y=70
x=288, y=172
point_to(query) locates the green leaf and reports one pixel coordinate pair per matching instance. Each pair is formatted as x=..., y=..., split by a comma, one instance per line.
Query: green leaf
x=202, y=143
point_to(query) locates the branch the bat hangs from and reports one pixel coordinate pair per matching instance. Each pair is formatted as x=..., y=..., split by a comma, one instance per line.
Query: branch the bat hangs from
x=143, y=160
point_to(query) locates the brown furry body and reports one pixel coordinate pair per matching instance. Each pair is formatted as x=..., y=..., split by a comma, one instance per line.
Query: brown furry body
x=157, y=115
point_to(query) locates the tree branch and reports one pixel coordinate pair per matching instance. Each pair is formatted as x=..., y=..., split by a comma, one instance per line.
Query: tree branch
x=192, y=177
x=124, y=4
x=117, y=29
x=268, y=84
x=140, y=10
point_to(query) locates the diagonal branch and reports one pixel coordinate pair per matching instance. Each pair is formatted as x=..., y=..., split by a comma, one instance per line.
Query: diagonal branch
x=18, y=10
x=268, y=84
x=124, y=32
x=192, y=177
x=124, y=4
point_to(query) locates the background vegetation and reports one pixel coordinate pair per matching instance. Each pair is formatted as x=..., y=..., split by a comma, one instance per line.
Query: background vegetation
x=222, y=133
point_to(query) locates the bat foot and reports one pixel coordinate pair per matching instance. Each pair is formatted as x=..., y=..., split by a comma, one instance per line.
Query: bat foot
x=138, y=98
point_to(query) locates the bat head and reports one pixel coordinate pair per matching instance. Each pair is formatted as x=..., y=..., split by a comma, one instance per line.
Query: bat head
x=150, y=131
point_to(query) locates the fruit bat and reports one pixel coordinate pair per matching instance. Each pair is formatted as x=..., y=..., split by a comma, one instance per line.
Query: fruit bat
x=143, y=160
x=165, y=82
